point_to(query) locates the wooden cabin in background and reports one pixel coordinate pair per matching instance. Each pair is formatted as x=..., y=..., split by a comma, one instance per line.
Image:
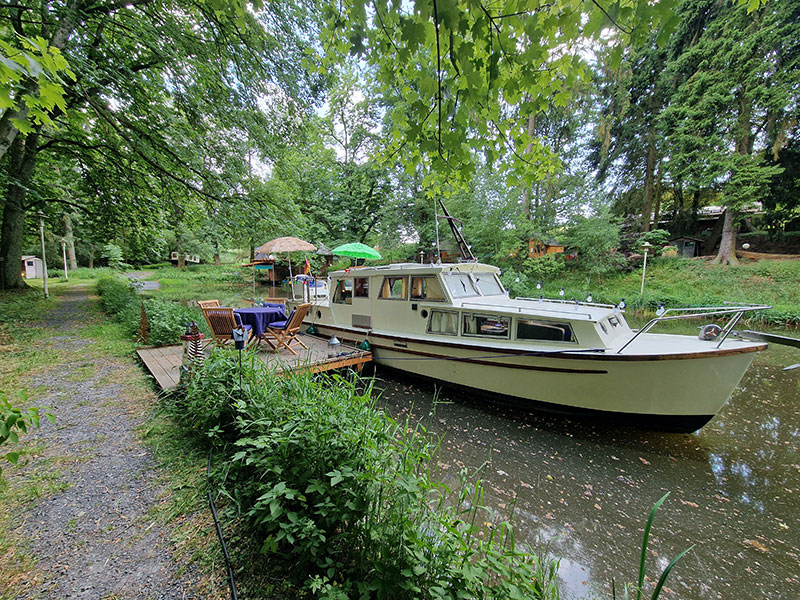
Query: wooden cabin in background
x=538, y=248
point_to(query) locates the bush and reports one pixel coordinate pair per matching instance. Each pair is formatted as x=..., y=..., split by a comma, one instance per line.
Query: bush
x=167, y=319
x=544, y=268
x=344, y=494
x=116, y=293
x=113, y=254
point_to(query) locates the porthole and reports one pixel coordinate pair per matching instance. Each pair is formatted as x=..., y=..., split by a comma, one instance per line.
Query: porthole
x=424, y=314
x=319, y=314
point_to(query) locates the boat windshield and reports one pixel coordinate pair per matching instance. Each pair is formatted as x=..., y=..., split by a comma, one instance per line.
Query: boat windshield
x=460, y=285
x=488, y=284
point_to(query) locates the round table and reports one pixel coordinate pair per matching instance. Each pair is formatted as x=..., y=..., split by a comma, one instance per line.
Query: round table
x=259, y=317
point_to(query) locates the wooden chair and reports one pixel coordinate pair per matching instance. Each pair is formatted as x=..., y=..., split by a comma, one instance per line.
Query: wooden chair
x=284, y=333
x=208, y=304
x=222, y=322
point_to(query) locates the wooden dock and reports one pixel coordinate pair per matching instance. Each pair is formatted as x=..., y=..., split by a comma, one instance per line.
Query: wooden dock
x=164, y=362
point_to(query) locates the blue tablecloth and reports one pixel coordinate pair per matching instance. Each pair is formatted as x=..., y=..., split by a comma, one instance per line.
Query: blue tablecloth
x=260, y=316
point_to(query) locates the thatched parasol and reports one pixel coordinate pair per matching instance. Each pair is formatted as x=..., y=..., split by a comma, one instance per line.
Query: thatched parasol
x=285, y=244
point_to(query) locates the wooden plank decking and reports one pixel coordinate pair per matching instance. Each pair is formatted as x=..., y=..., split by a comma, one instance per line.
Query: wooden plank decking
x=164, y=362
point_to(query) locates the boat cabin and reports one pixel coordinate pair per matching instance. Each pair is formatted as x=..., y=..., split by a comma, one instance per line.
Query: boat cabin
x=465, y=301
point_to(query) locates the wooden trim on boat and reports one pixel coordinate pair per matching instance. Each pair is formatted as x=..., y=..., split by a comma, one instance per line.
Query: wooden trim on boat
x=478, y=361
x=574, y=355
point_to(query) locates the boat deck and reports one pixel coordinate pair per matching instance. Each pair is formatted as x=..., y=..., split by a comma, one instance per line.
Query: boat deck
x=164, y=362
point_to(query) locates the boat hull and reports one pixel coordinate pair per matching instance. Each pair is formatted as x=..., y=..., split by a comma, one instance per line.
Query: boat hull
x=678, y=393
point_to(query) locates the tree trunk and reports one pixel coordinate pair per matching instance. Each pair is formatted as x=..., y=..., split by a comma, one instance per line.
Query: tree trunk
x=657, y=208
x=70, y=240
x=526, y=194
x=649, y=180
x=712, y=240
x=91, y=257
x=727, y=246
x=20, y=169
x=181, y=257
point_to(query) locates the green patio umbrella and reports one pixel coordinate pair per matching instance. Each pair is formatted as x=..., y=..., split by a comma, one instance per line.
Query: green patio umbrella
x=357, y=250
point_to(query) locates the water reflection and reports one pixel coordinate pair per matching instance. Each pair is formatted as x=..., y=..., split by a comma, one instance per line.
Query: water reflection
x=586, y=488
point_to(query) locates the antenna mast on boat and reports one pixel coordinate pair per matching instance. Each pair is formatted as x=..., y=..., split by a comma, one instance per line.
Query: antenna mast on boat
x=463, y=247
x=436, y=227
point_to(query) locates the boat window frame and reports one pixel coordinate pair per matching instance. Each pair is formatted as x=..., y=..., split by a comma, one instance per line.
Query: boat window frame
x=453, y=275
x=434, y=278
x=364, y=287
x=496, y=280
x=404, y=288
x=341, y=284
x=485, y=336
x=547, y=323
x=439, y=310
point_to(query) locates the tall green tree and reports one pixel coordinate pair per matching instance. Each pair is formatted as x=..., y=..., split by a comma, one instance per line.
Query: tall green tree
x=165, y=95
x=737, y=86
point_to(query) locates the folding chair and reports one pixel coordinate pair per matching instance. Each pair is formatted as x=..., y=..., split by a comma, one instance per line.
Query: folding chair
x=284, y=333
x=222, y=322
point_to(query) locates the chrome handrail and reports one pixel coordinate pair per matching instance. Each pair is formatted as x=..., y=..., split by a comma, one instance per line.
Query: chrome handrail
x=736, y=313
x=519, y=309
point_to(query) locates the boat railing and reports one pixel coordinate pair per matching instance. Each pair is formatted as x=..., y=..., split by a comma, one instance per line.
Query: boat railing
x=574, y=305
x=736, y=311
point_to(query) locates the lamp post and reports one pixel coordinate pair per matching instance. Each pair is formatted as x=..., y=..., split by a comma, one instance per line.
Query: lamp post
x=646, y=246
x=64, y=256
x=40, y=214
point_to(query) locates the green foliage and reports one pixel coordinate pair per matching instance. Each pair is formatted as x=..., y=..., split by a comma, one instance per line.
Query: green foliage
x=594, y=238
x=545, y=267
x=658, y=238
x=116, y=293
x=460, y=78
x=167, y=319
x=113, y=254
x=13, y=421
x=24, y=60
x=343, y=494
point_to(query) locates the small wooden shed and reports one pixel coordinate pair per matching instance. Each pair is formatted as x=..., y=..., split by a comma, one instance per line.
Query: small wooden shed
x=538, y=248
x=32, y=267
x=687, y=246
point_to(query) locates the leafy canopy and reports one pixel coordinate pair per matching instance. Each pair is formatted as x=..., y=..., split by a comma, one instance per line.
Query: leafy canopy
x=461, y=77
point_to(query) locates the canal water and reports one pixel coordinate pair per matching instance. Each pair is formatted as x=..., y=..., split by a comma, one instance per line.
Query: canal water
x=585, y=489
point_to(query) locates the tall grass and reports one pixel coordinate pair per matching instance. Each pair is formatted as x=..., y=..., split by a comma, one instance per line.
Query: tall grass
x=343, y=496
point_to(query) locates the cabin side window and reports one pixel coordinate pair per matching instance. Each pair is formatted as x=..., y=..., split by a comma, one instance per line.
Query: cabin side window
x=489, y=326
x=343, y=294
x=426, y=288
x=394, y=288
x=529, y=329
x=361, y=287
x=443, y=321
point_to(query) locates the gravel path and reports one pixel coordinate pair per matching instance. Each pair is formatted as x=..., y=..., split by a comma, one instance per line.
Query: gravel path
x=94, y=539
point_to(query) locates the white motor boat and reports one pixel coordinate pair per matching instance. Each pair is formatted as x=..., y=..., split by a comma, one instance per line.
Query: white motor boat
x=457, y=324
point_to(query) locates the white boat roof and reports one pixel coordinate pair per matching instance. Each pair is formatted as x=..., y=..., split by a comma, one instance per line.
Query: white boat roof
x=415, y=268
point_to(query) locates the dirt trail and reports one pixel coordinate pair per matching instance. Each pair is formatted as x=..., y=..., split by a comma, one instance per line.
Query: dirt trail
x=94, y=539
